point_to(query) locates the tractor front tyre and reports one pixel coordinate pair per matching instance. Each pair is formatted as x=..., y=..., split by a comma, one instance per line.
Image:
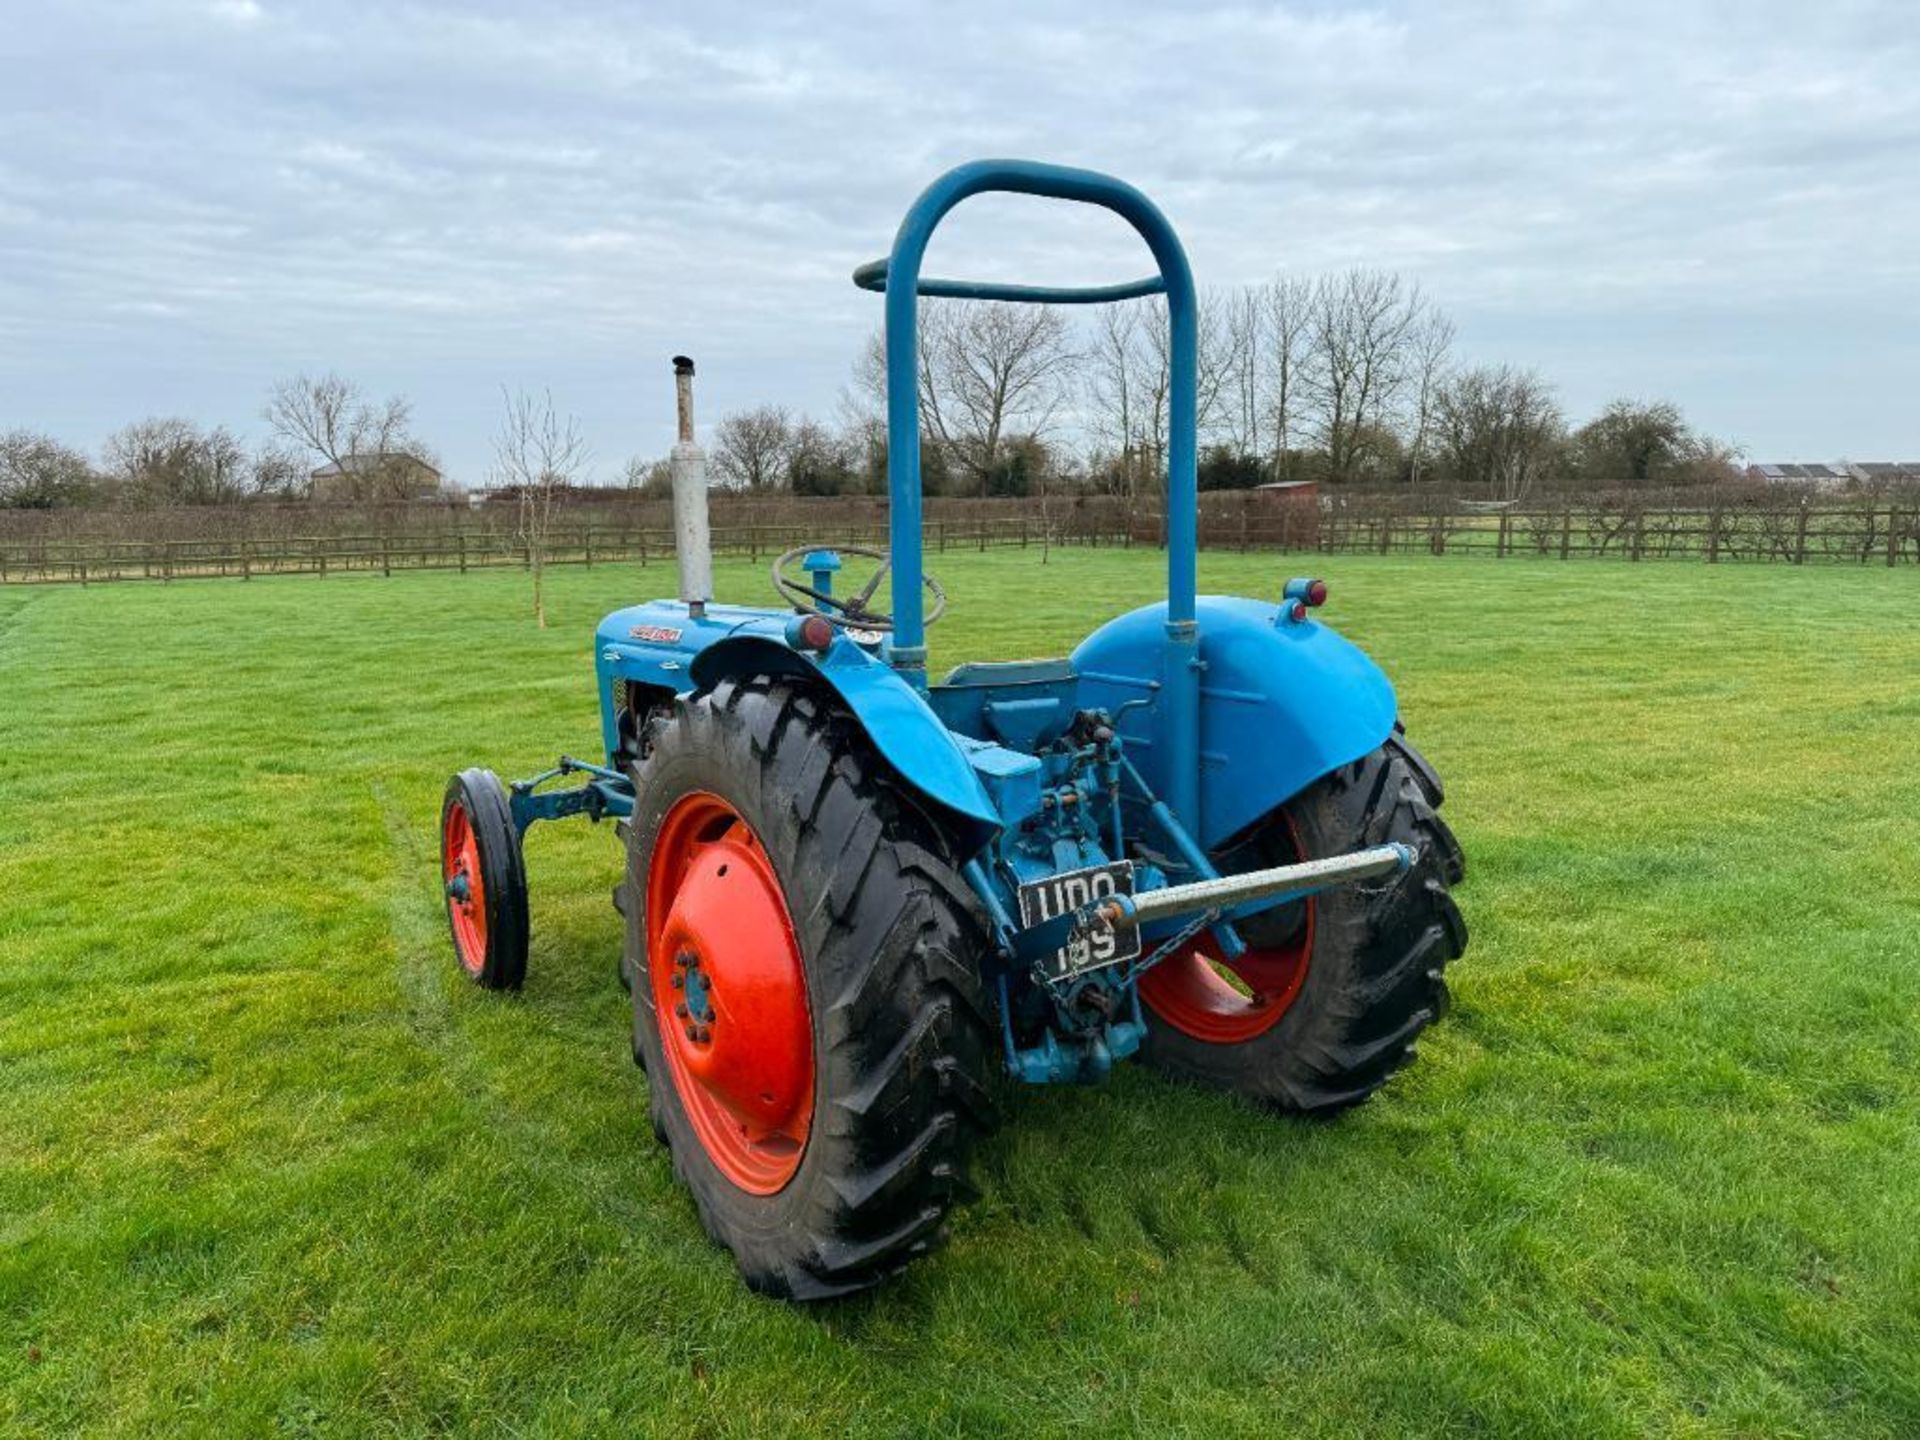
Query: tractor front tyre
x=807, y=996
x=484, y=880
x=1332, y=991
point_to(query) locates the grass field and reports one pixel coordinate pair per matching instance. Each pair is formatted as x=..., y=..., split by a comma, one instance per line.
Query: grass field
x=267, y=1166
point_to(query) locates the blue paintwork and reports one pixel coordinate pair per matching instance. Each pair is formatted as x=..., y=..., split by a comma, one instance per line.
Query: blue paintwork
x=1025, y=704
x=900, y=278
x=1280, y=707
x=1224, y=708
x=873, y=276
x=631, y=645
x=822, y=566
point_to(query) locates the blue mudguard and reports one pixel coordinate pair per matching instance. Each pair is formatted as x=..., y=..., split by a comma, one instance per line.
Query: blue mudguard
x=1280, y=704
x=661, y=646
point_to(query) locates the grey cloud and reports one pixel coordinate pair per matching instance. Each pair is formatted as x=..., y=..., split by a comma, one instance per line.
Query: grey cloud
x=1714, y=202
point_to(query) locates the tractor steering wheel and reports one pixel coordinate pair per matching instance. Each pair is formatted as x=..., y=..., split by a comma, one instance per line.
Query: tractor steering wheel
x=850, y=612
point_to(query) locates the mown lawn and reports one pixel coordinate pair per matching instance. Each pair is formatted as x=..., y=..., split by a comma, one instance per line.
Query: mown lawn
x=268, y=1166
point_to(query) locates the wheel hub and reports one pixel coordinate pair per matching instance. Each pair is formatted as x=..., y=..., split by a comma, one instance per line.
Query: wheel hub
x=731, y=997
x=1228, y=1002
x=466, y=901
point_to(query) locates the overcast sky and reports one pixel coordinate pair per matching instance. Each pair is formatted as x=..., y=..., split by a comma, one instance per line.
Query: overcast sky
x=1714, y=203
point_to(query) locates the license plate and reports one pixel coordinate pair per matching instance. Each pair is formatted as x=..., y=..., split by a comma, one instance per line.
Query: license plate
x=1066, y=892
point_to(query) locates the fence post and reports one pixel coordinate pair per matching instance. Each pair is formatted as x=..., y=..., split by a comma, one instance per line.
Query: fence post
x=463, y=552
x=1639, y=531
x=1800, y=538
x=1713, y=535
x=166, y=562
x=1893, y=533
x=386, y=560
x=1500, y=543
x=1386, y=533
x=643, y=549
x=246, y=560
x=589, y=547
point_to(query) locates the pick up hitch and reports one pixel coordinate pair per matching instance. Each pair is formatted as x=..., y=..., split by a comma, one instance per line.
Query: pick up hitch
x=1120, y=913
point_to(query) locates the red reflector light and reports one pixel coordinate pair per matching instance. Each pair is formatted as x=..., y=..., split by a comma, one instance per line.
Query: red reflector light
x=816, y=633
x=1297, y=612
x=1317, y=593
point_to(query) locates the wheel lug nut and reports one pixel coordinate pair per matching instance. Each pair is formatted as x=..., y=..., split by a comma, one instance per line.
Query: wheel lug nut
x=679, y=982
x=681, y=1009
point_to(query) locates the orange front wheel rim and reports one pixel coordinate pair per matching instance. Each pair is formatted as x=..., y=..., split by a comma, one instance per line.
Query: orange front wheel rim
x=466, y=891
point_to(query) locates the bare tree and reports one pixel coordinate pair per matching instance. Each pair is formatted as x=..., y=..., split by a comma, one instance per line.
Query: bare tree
x=1360, y=337
x=369, y=444
x=1240, y=345
x=1499, y=427
x=750, y=447
x=987, y=373
x=165, y=461
x=1280, y=370
x=651, y=476
x=1120, y=392
x=37, y=472
x=1430, y=345
x=278, y=473
x=1213, y=362
x=541, y=456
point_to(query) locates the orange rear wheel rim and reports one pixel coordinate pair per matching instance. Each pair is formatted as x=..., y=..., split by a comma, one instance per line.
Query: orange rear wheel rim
x=729, y=993
x=1205, y=996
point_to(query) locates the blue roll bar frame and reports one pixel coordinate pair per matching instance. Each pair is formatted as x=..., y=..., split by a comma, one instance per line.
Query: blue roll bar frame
x=899, y=278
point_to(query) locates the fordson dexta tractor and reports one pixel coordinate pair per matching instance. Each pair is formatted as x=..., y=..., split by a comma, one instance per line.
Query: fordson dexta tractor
x=856, y=899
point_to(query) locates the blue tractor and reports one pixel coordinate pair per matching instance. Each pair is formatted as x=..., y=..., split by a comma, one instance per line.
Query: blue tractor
x=855, y=901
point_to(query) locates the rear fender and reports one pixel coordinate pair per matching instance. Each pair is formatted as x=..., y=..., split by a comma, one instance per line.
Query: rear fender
x=895, y=717
x=1280, y=706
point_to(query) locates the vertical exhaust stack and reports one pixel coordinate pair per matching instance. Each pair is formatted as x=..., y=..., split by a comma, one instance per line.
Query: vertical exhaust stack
x=692, y=540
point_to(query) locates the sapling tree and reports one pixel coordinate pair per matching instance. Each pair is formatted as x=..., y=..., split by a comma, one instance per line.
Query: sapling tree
x=539, y=455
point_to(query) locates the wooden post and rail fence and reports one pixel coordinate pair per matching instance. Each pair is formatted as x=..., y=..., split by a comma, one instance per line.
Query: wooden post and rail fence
x=1864, y=531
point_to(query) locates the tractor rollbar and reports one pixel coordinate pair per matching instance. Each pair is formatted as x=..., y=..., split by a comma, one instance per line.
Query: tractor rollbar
x=899, y=277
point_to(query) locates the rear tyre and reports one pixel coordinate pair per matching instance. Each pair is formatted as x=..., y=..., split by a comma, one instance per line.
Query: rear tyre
x=807, y=999
x=484, y=879
x=1334, y=989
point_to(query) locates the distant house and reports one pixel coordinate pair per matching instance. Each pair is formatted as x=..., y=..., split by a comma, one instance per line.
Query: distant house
x=1888, y=472
x=1844, y=472
x=378, y=475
